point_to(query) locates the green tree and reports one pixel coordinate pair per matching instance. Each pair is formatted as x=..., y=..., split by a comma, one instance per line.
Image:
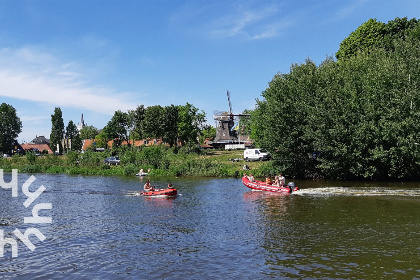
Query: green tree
x=365, y=38
x=10, y=127
x=281, y=121
x=373, y=34
x=153, y=123
x=57, y=130
x=354, y=120
x=88, y=132
x=191, y=121
x=245, y=122
x=117, y=128
x=207, y=132
x=101, y=140
x=136, y=118
x=170, y=124
x=74, y=143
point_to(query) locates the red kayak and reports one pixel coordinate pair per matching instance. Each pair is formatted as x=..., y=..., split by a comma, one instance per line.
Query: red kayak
x=160, y=192
x=262, y=186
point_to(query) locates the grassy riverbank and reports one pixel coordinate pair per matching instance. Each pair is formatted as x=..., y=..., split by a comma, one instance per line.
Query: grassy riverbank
x=161, y=160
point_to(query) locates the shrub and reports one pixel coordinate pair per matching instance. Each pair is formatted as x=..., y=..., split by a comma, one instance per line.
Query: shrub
x=31, y=157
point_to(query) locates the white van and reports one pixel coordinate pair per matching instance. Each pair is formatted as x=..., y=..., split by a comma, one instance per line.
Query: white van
x=256, y=154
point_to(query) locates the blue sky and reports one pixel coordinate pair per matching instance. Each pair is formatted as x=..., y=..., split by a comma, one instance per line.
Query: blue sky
x=99, y=56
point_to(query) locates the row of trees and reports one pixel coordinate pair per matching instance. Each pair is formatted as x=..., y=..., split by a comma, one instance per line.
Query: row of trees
x=173, y=124
x=354, y=118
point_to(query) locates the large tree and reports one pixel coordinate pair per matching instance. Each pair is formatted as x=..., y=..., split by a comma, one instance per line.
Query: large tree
x=374, y=34
x=170, y=124
x=136, y=118
x=207, y=132
x=153, y=123
x=73, y=143
x=117, y=128
x=57, y=131
x=10, y=127
x=191, y=121
x=354, y=120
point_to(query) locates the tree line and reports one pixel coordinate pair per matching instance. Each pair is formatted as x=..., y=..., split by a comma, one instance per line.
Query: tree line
x=173, y=124
x=357, y=117
x=181, y=124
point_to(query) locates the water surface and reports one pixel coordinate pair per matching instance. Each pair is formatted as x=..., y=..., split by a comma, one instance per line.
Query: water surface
x=215, y=228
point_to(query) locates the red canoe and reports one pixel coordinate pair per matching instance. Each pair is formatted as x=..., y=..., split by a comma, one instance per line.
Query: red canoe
x=262, y=186
x=160, y=192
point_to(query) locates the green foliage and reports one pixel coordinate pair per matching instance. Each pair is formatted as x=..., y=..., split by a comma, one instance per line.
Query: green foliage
x=170, y=125
x=101, y=141
x=136, y=119
x=153, y=123
x=365, y=38
x=73, y=141
x=355, y=119
x=208, y=132
x=57, y=130
x=190, y=123
x=373, y=35
x=155, y=156
x=245, y=122
x=10, y=127
x=31, y=157
x=91, y=159
x=88, y=132
x=50, y=160
x=31, y=169
x=72, y=158
x=117, y=128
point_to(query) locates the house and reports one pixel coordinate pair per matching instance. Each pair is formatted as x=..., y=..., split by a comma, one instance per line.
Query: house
x=38, y=144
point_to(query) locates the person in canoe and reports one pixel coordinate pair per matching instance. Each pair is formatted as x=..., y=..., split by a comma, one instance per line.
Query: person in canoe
x=148, y=187
x=170, y=186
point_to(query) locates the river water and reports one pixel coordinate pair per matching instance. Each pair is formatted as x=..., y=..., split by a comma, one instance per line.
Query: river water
x=214, y=229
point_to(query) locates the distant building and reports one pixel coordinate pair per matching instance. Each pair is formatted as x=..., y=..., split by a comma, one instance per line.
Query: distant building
x=81, y=124
x=38, y=144
x=40, y=140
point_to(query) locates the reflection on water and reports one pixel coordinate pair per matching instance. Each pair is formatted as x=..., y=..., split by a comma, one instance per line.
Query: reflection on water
x=217, y=228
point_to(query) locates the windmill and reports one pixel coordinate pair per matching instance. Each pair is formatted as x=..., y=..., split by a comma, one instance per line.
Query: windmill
x=226, y=126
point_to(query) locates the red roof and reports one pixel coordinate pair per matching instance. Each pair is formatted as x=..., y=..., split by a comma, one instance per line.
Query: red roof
x=39, y=147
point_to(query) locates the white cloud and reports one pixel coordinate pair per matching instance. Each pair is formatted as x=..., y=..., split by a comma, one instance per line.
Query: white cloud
x=257, y=23
x=33, y=75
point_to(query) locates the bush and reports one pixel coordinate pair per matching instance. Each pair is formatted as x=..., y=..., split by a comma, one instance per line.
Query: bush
x=31, y=157
x=91, y=159
x=130, y=169
x=72, y=158
x=31, y=169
